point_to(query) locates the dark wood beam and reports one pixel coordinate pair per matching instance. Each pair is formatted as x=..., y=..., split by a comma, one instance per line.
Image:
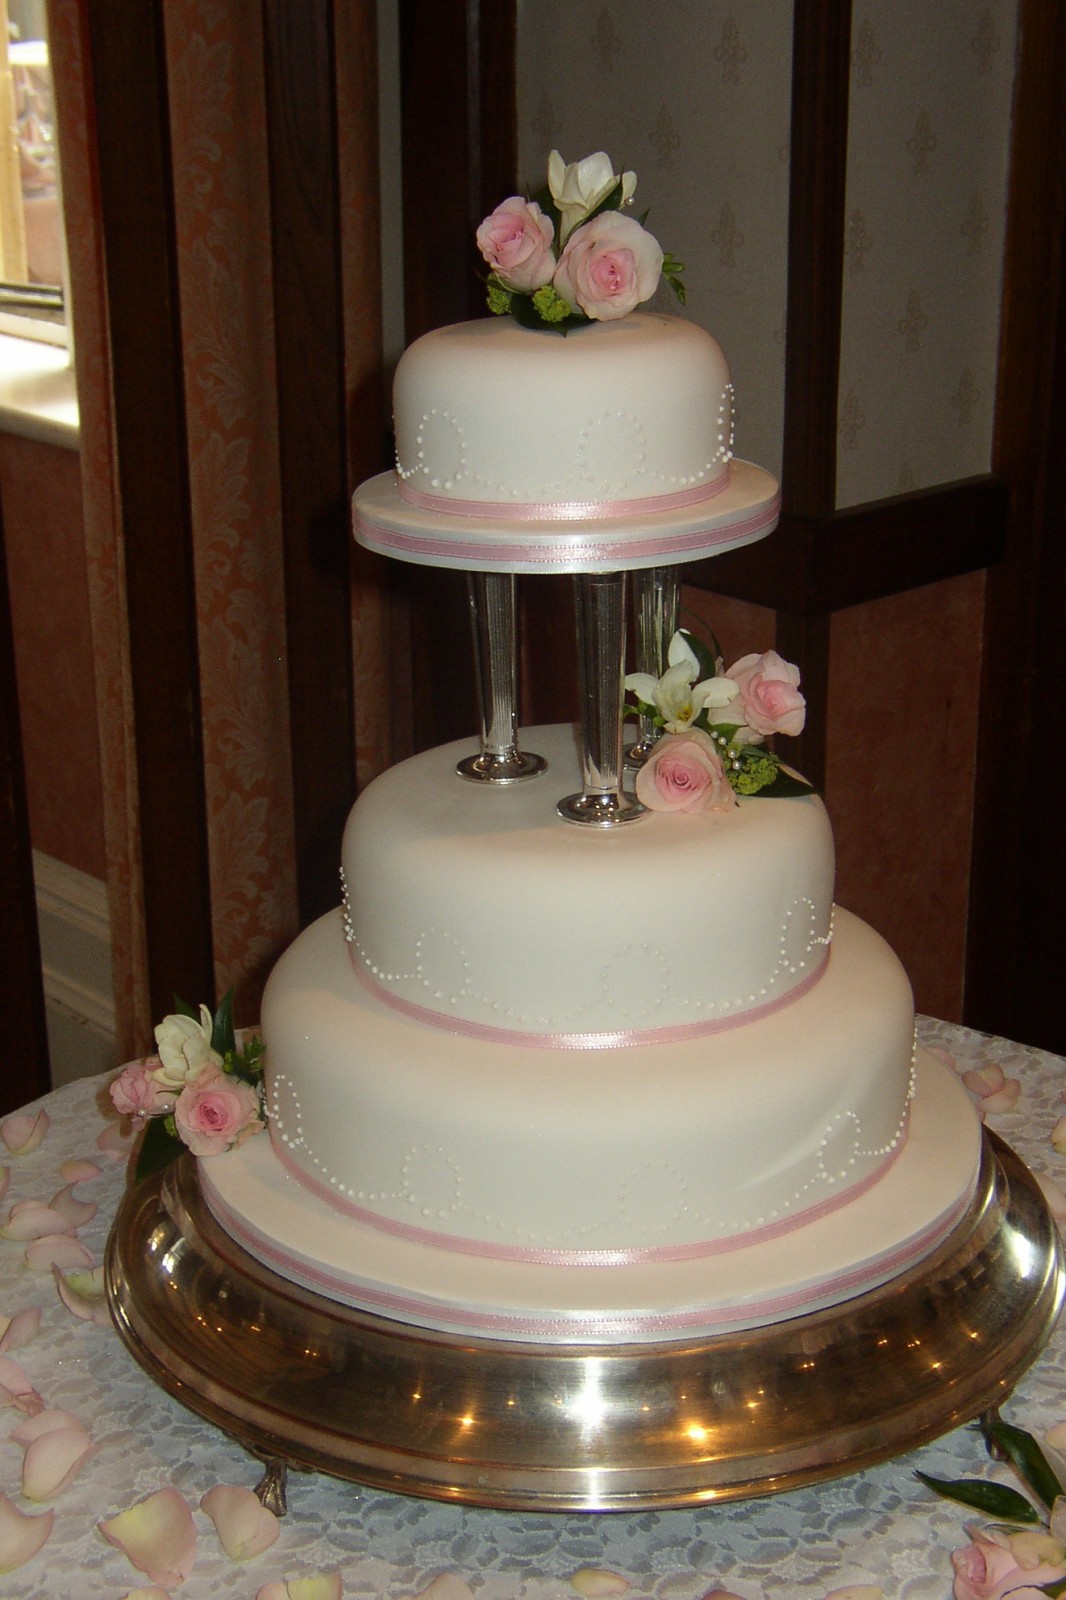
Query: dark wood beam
x=147, y=379
x=25, y=1073
x=302, y=138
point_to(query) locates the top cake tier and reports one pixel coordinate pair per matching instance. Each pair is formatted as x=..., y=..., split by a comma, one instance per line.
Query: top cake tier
x=523, y=450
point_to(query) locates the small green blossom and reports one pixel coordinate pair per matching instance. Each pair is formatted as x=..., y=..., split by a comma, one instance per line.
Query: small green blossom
x=499, y=298
x=752, y=770
x=550, y=305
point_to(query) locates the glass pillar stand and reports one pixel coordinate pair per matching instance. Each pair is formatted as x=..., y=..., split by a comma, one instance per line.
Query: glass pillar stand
x=492, y=618
x=600, y=604
x=657, y=605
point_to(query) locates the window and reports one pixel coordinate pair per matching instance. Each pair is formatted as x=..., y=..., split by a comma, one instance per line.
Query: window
x=32, y=265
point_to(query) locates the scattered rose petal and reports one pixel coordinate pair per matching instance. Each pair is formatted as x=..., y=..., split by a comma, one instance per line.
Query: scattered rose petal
x=31, y=1219
x=1004, y=1099
x=857, y=1591
x=12, y=1377
x=146, y=1594
x=1056, y=1436
x=77, y=1212
x=56, y=1250
x=47, y=1421
x=116, y=1140
x=83, y=1294
x=1058, y=1136
x=157, y=1535
x=5, y=1179
x=985, y=1079
x=1054, y=1196
x=243, y=1524
x=78, y=1170
x=20, y=1329
x=24, y=1131
x=592, y=1583
x=949, y=1061
x=52, y=1460
x=326, y=1587
x=21, y=1536
x=722, y=1594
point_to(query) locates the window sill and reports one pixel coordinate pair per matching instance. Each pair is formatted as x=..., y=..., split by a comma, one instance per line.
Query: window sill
x=38, y=398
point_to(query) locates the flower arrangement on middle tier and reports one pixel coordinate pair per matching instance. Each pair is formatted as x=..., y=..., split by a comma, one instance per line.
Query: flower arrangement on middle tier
x=713, y=725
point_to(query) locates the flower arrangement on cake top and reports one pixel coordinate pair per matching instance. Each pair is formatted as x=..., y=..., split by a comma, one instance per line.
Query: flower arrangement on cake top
x=198, y=1092
x=572, y=254
x=714, y=723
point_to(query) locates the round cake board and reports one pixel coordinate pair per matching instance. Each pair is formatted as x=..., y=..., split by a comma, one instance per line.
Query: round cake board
x=309, y=1383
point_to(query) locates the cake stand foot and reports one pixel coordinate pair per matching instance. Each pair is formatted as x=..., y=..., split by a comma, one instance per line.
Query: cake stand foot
x=492, y=618
x=601, y=640
x=657, y=603
x=271, y=1490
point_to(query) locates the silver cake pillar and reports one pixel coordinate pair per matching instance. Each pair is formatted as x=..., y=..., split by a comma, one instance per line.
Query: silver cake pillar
x=492, y=619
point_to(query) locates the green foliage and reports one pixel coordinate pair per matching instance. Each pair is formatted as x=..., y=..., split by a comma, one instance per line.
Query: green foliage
x=1026, y=1457
x=991, y=1499
x=160, y=1144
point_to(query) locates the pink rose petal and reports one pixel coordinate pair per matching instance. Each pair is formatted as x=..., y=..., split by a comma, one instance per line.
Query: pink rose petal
x=146, y=1594
x=943, y=1055
x=5, y=1179
x=593, y=1583
x=77, y=1212
x=722, y=1594
x=324, y=1587
x=47, y=1421
x=56, y=1250
x=24, y=1131
x=84, y=1296
x=31, y=1219
x=19, y=1329
x=79, y=1171
x=52, y=1460
x=1003, y=1099
x=20, y=1536
x=12, y=1377
x=984, y=1080
x=157, y=1536
x=857, y=1591
x=243, y=1524
x=116, y=1140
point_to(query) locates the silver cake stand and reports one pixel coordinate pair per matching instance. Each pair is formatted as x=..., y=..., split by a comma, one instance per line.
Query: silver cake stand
x=305, y=1383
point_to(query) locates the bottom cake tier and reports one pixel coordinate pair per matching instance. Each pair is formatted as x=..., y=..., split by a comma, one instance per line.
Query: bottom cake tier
x=876, y=1236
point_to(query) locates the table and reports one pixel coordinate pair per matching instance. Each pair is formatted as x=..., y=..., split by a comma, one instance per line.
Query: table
x=881, y=1527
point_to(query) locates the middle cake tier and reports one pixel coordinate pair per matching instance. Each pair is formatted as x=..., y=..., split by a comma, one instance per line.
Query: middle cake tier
x=478, y=908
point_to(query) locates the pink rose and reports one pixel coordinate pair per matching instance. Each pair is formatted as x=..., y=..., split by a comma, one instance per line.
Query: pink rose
x=516, y=241
x=1000, y=1564
x=135, y=1093
x=685, y=773
x=769, y=697
x=217, y=1112
x=608, y=266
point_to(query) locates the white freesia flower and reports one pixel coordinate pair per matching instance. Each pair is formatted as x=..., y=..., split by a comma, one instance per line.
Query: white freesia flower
x=184, y=1047
x=580, y=186
x=676, y=696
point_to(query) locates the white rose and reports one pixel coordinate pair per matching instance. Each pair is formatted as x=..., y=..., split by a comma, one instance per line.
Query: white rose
x=578, y=188
x=184, y=1046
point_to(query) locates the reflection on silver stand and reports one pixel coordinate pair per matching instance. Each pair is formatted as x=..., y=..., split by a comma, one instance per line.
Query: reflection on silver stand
x=601, y=636
x=493, y=621
x=658, y=595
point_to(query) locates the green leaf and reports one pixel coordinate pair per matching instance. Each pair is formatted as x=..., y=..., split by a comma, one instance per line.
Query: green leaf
x=991, y=1499
x=222, y=1035
x=525, y=313
x=787, y=785
x=1027, y=1459
x=159, y=1147
x=182, y=1008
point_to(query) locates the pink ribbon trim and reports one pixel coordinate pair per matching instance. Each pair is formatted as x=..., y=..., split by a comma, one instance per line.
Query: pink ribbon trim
x=622, y=1256
x=564, y=510
x=577, y=1326
x=564, y=553
x=607, y=1039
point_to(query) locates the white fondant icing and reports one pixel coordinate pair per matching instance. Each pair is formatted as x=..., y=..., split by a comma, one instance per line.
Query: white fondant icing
x=619, y=410
x=484, y=906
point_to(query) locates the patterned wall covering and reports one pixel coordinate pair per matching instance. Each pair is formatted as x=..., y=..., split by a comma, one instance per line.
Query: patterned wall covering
x=693, y=97
x=927, y=172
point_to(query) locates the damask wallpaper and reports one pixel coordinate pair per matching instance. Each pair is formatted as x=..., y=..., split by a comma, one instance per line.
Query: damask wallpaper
x=695, y=98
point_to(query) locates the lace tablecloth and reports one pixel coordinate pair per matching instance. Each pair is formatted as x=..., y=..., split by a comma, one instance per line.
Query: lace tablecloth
x=880, y=1527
